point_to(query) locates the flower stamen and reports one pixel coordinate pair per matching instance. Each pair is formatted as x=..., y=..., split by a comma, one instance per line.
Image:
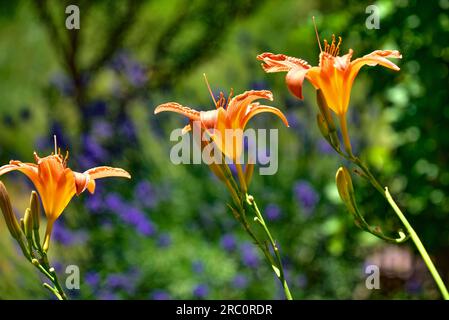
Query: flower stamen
x=332, y=49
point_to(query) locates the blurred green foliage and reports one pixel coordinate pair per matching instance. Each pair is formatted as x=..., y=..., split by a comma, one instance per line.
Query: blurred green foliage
x=96, y=88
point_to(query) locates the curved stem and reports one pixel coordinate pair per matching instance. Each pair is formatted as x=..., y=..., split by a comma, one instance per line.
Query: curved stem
x=240, y=214
x=275, y=248
x=413, y=235
x=419, y=246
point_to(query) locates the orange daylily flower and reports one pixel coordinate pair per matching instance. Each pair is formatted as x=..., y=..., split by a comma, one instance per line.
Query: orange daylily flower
x=57, y=184
x=334, y=76
x=230, y=116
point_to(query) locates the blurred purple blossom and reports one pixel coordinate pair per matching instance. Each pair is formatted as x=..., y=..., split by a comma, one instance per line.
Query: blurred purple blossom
x=114, y=202
x=306, y=196
x=201, y=291
x=249, y=255
x=164, y=240
x=130, y=214
x=293, y=119
x=159, y=294
x=144, y=193
x=240, y=281
x=259, y=85
x=96, y=108
x=197, y=266
x=126, y=130
x=273, y=212
x=94, y=202
x=324, y=147
x=228, y=242
x=108, y=296
x=102, y=129
x=92, y=279
x=135, y=72
x=66, y=236
x=93, y=149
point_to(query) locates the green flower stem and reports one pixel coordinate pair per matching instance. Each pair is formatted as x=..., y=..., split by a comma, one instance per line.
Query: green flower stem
x=415, y=238
x=419, y=246
x=44, y=267
x=280, y=273
x=239, y=211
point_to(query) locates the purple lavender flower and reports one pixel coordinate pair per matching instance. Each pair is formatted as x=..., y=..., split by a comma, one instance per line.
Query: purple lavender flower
x=145, y=194
x=159, y=294
x=62, y=235
x=228, y=242
x=306, y=195
x=324, y=147
x=164, y=240
x=108, y=296
x=97, y=108
x=94, y=149
x=102, y=130
x=117, y=281
x=198, y=266
x=259, y=85
x=114, y=202
x=240, y=281
x=92, y=279
x=94, y=203
x=201, y=291
x=273, y=212
x=136, y=74
x=146, y=227
x=127, y=130
x=249, y=255
x=67, y=237
x=293, y=120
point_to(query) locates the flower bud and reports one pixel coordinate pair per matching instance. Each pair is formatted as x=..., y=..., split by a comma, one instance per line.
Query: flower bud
x=28, y=224
x=8, y=214
x=34, y=207
x=322, y=125
x=345, y=188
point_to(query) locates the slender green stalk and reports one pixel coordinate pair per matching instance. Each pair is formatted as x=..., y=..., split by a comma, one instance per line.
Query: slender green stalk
x=413, y=235
x=418, y=245
x=275, y=248
x=239, y=211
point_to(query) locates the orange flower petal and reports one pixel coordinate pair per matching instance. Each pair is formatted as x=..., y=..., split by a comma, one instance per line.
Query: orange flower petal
x=62, y=194
x=280, y=62
x=294, y=79
x=176, y=107
x=255, y=109
x=105, y=172
x=237, y=106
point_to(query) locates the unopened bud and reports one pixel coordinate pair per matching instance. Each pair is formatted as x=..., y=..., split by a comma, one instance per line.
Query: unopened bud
x=8, y=214
x=345, y=188
x=322, y=125
x=34, y=207
x=28, y=224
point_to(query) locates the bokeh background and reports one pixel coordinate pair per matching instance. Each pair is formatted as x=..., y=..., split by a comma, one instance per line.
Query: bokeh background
x=167, y=233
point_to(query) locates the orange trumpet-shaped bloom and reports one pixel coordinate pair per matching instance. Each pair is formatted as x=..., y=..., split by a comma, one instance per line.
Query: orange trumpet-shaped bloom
x=334, y=75
x=227, y=122
x=57, y=184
